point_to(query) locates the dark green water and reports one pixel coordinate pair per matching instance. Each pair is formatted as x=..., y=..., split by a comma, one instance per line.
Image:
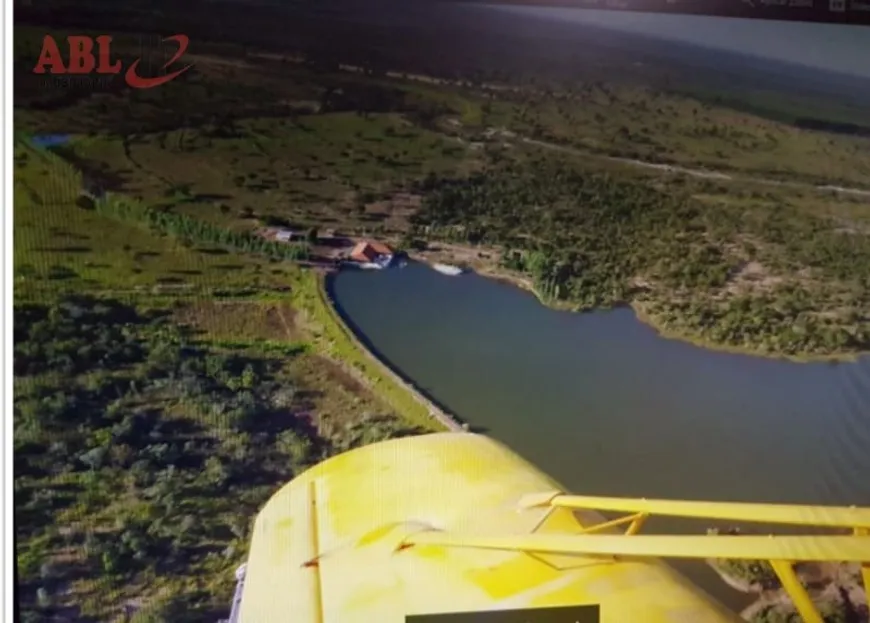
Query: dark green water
x=607, y=407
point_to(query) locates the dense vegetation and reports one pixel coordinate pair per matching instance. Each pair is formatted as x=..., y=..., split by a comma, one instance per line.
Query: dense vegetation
x=724, y=273
x=141, y=457
x=832, y=587
x=192, y=231
x=149, y=432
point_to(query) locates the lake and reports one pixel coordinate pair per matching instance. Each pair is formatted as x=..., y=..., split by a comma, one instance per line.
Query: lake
x=607, y=407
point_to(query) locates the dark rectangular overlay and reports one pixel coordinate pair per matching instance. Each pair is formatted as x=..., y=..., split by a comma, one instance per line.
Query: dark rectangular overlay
x=565, y=614
x=856, y=12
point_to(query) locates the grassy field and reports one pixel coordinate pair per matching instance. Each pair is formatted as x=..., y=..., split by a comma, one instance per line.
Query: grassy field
x=700, y=128
x=320, y=169
x=60, y=247
x=199, y=379
x=659, y=127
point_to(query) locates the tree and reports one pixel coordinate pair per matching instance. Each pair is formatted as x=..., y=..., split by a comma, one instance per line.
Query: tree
x=296, y=448
x=249, y=377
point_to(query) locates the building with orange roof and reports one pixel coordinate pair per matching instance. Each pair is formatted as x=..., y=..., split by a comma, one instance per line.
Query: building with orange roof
x=369, y=252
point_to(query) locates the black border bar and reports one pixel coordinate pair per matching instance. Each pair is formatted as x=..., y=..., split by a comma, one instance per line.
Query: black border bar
x=855, y=12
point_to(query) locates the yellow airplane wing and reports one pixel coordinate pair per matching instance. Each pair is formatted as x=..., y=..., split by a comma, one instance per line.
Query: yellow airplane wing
x=456, y=522
x=332, y=546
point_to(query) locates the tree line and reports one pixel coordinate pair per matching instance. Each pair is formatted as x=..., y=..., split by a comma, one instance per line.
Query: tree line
x=591, y=240
x=196, y=231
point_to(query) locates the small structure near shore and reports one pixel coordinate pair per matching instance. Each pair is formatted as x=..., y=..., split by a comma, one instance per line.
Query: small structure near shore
x=448, y=269
x=369, y=254
x=280, y=234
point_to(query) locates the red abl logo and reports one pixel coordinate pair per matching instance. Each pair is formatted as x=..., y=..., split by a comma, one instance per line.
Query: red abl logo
x=85, y=60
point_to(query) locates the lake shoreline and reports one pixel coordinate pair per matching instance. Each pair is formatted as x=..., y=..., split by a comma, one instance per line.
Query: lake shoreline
x=440, y=418
x=490, y=271
x=420, y=292
x=832, y=587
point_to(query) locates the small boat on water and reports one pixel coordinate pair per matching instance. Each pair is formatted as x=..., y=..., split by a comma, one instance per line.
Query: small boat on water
x=447, y=269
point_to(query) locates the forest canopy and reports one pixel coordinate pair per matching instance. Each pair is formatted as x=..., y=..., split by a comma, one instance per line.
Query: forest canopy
x=759, y=273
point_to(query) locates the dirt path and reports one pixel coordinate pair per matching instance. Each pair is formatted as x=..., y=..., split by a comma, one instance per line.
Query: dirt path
x=699, y=173
x=664, y=168
x=287, y=331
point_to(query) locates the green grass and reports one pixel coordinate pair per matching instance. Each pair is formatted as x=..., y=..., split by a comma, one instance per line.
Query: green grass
x=467, y=105
x=659, y=127
x=334, y=339
x=61, y=247
x=776, y=106
x=123, y=259
x=311, y=169
x=160, y=518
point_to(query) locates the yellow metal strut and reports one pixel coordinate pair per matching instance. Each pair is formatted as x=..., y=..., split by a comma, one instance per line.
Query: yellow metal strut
x=782, y=552
x=458, y=522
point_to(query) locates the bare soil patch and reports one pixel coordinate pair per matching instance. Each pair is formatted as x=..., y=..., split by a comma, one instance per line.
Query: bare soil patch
x=242, y=320
x=752, y=276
